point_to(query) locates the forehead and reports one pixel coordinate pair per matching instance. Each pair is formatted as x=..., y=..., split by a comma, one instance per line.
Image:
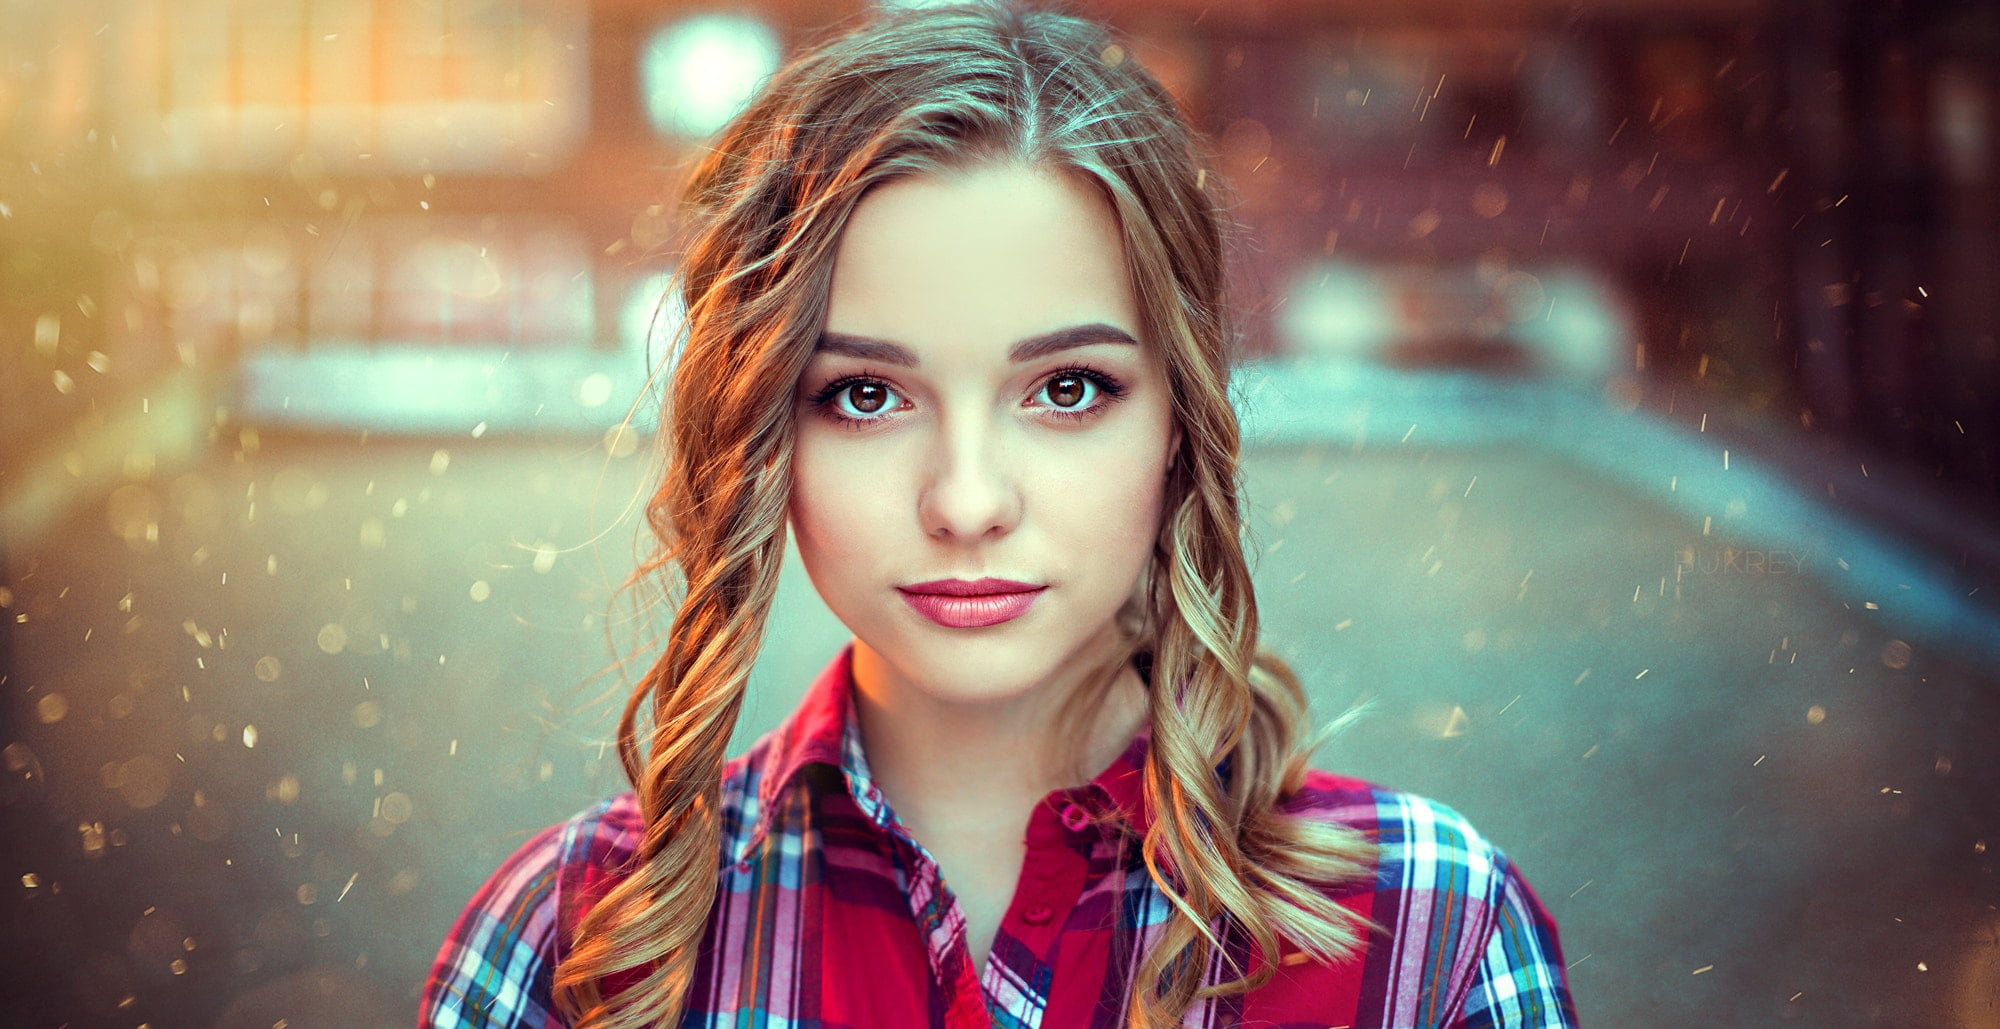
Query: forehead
x=982, y=257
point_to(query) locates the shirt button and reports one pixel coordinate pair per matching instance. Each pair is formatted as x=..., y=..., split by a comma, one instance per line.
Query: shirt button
x=1038, y=914
x=1074, y=817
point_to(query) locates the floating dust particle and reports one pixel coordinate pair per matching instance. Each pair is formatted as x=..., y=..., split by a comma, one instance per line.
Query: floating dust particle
x=545, y=557
x=374, y=535
x=271, y=565
x=48, y=334
x=295, y=491
x=308, y=893
x=349, y=886
x=51, y=708
x=1489, y=200
x=1113, y=55
x=479, y=430
x=178, y=966
x=621, y=440
x=480, y=591
x=367, y=715
x=133, y=512
x=440, y=460
x=547, y=771
x=1815, y=714
x=594, y=390
x=269, y=668
x=284, y=791
x=250, y=736
x=397, y=808
x=1703, y=968
x=1896, y=654
x=21, y=761
x=332, y=638
x=400, y=508
x=31, y=880
x=142, y=781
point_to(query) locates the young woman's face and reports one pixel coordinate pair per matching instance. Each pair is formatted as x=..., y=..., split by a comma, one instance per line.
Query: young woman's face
x=980, y=407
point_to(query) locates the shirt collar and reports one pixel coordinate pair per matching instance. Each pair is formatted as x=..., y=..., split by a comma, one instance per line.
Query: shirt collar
x=824, y=729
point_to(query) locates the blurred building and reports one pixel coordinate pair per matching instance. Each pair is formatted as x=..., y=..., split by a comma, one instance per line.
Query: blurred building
x=350, y=213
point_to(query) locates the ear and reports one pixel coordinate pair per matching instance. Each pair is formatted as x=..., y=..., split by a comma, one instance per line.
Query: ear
x=1173, y=449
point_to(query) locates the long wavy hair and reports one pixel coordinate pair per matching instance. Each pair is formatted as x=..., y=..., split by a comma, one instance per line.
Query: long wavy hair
x=929, y=91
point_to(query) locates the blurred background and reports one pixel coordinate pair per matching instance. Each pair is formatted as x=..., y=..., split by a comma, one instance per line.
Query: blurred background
x=1620, y=385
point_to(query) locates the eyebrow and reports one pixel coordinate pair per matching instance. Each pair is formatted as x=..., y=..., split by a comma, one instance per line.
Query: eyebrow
x=1028, y=349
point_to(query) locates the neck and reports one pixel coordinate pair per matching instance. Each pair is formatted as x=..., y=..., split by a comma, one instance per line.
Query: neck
x=945, y=765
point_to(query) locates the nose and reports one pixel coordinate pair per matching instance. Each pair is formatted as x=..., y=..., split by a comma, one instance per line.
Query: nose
x=968, y=494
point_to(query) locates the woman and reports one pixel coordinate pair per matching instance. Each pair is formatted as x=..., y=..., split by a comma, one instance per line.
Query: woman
x=954, y=298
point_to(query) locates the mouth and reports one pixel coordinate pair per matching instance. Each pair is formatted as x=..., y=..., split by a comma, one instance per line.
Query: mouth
x=971, y=604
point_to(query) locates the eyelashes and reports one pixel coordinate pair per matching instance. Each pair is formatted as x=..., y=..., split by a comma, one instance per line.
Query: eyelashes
x=1098, y=392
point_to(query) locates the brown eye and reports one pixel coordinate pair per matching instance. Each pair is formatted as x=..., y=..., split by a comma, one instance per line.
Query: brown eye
x=868, y=397
x=1066, y=390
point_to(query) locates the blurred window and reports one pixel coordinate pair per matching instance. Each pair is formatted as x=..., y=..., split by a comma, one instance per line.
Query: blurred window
x=517, y=284
x=1562, y=320
x=446, y=85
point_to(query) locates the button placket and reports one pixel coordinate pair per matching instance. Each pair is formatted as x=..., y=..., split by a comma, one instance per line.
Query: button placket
x=1051, y=875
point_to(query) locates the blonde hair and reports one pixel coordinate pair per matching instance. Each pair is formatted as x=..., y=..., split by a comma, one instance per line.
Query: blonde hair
x=929, y=91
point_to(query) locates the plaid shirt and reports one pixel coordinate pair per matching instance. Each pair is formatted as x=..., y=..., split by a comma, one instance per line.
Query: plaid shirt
x=828, y=913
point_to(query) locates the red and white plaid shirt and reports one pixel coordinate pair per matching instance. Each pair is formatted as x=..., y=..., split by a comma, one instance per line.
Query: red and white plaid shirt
x=828, y=913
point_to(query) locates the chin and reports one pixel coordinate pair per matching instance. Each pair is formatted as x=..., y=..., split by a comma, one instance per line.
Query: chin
x=969, y=670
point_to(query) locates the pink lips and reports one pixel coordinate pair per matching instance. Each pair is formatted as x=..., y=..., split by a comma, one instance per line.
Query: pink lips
x=963, y=604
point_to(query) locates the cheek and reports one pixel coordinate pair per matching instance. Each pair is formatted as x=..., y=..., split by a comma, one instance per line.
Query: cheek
x=837, y=500
x=1109, y=493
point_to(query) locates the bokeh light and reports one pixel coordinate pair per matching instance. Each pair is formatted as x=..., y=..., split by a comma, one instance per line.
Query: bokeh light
x=701, y=70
